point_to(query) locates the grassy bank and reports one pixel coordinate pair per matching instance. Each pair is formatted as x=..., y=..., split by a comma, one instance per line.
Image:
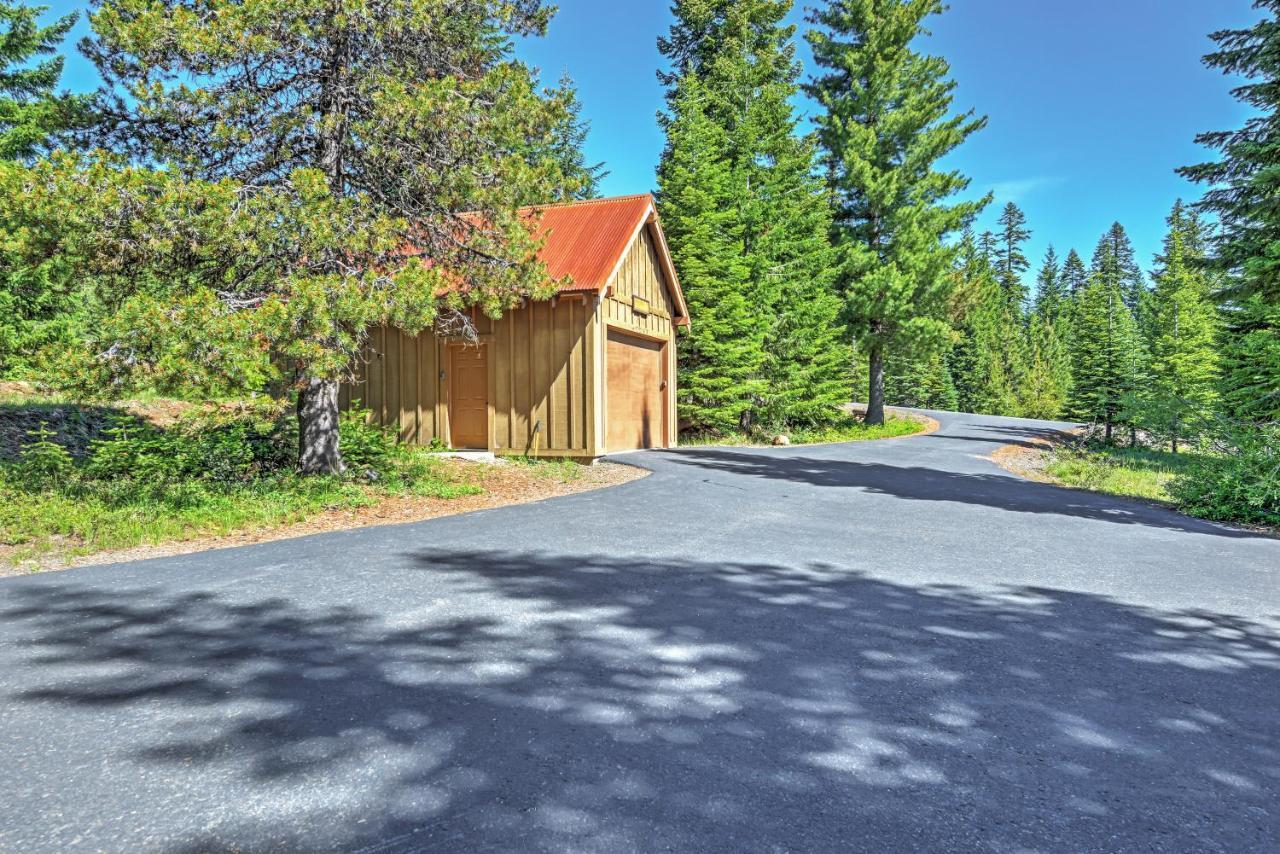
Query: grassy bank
x=1233, y=477
x=1132, y=472
x=849, y=428
x=78, y=479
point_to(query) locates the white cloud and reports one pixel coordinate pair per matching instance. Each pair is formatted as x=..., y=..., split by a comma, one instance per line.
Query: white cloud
x=1017, y=190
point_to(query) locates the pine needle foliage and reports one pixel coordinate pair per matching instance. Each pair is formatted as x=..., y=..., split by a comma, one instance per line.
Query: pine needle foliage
x=1106, y=354
x=33, y=115
x=1011, y=262
x=747, y=221
x=345, y=139
x=1244, y=182
x=885, y=122
x=1183, y=334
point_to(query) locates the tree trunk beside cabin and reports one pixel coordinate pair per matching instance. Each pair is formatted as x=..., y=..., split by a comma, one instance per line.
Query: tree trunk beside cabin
x=318, y=451
x=875, y=395
x=318, y=437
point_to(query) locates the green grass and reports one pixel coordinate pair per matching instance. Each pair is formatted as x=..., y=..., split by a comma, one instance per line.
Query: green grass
x=1132, y=472
x=77, y=478
x=848, y=429
x=853, y=430
x=79, y=517
x=559, y=469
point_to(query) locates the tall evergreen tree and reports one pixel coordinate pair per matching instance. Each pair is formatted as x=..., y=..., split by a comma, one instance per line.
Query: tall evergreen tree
x=722, y=356
x=985, y=360
x=986, y=246
x=885, y=123
x=1105, y=354
x=1074, y=275
x=1250, y=360
x=1012, y=263
x=581, y=180
x=921, y=378
x=32, y=113
x=377, y=153
x=1052, y=290
x=777, y=335
x=1244, y=183
x=808, y=352
x=1114, y=263
x=1046, y=383
x=1047, y=380
x=1183, y=332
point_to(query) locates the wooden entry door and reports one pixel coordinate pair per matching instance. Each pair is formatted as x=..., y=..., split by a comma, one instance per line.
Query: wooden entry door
x=637, y=414
x=468, y=397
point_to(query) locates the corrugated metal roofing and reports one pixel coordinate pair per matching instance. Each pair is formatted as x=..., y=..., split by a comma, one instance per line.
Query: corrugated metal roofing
x=586, y=240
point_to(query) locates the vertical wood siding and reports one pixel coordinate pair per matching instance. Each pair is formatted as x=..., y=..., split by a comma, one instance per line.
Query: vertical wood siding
x=546, y=366
x=397, y=381
x=640, y=276
x=539, y=360
x=539, y=371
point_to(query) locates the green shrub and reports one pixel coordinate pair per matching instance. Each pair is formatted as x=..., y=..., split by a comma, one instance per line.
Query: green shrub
x=1237, y=478
x=44, y=463
x=365, y=444
x=197, y=449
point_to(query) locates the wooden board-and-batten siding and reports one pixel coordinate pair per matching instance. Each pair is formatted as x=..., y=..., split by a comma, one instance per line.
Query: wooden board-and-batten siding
x=546, y=363
x=639, y=277
x=538, y=360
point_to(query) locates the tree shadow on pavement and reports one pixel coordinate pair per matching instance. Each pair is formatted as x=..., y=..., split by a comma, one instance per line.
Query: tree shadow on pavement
x=917, y=483
x=543, y=702
x=1006, y=434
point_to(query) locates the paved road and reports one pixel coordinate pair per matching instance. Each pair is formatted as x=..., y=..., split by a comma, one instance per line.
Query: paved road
x=884, y=646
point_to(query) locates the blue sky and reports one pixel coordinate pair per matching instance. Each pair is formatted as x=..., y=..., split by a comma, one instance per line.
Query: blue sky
x=1092, y=103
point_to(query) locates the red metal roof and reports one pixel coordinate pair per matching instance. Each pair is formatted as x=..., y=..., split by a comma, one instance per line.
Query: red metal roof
x=586, y=240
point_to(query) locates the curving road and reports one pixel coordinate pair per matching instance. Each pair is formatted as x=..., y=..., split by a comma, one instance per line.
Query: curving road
x=881, y=646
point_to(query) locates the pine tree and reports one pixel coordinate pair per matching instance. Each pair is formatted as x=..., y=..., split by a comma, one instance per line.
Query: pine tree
x=722, y=357
x=1114, y=264
x=921, y=379
x=807, y=365
x=1052, y=290
x=1250, y=360
x=1074, y=276
x=1105, y=347
x=779, y=337
x=1244, y=183
x=1011, y=263
x=1046, y=384
x=569, y=136
x=1183, y=332
x=885, y=123
x=1047, y=381
x=985, y=361
x=987, y=248
x=376, y=152
x=32, y=114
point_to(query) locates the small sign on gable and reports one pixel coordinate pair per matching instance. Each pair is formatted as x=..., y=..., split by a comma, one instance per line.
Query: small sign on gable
x=640, y=305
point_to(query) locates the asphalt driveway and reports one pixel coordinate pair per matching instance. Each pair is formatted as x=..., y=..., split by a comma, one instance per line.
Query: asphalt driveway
x=882, y=646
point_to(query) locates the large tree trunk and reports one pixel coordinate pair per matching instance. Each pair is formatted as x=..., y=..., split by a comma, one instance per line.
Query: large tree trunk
x=318, y=451
x=875, y=394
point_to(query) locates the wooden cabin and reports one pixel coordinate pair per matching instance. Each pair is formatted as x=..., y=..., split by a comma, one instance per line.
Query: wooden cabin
x=589, y=372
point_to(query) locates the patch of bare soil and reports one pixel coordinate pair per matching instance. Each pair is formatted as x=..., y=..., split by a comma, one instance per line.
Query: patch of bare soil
x=1027, y=457
x=504, y=484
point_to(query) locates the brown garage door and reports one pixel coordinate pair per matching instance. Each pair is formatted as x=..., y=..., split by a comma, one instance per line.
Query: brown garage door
x=636, y=416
